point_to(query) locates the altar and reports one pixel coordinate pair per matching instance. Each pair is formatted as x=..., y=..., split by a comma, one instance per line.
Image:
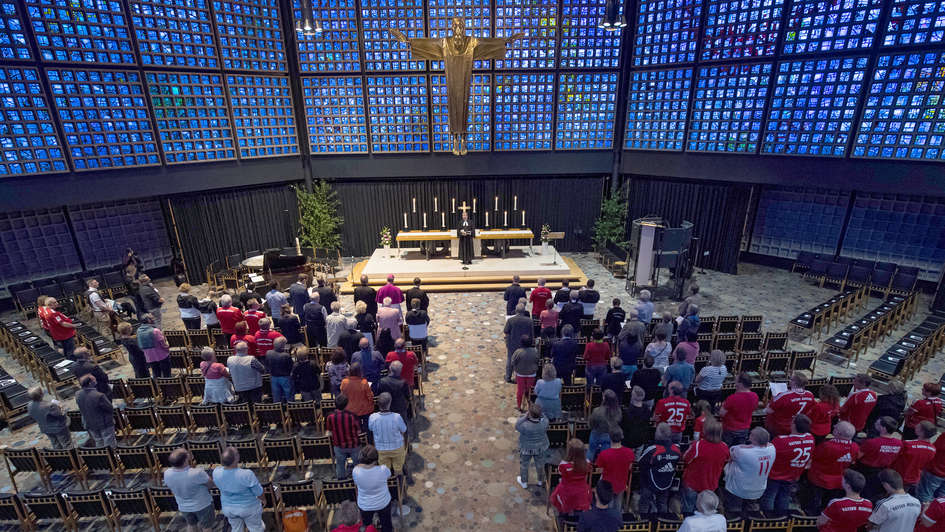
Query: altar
x=501, y=238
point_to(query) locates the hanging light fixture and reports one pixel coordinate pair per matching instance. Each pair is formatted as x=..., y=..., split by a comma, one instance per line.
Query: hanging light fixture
x=613, y=20
x=308, y=26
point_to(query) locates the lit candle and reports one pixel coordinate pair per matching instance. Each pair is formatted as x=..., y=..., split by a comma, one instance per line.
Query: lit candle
x=442, y=219
x=414, y=204
x=487, y=218
x=514, y=203
x=434, y=204
x=523, y=218
x=474, y=205
x=496, y=203
x=454, y=205
x=506, y=217
x=424, y=220
x=405, y=220
x=298, y=247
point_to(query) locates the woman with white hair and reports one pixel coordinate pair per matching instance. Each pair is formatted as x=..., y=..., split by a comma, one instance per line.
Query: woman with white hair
x=390, y=317
x=217, y=387
x=707, y=517
x=709, y=381
x=645, y=307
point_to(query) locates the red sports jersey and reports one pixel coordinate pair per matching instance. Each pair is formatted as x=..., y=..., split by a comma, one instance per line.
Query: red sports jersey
x=936, y=514
x=937, y=465
x=926, y=409
x=43, y=314
x=792, y=454
x=55, y=319
x=538, y=296
x=915, y=455
x=409, y=360
x=697, y=425
x=228, y=318
x=880, y=452
x=830, y=459
x=704, y=461
x=597, y=353
x=249, y=339
x=673, y=411
x=252, y=318
x=821, y=417
x=264, y=341
x=858, y=407
x=738, y=410
x=846, y=515
x=785, y=406
x=615, y=465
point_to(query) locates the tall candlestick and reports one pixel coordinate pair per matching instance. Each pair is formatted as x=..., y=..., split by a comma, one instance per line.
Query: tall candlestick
x=474, y=205
x=454, y=205
x=506, y=218
x=442, y=219
x=434, y=204
x=496, y=203
x=414, y=204
x=298, y=247
x=523, y=218
x=514, y=203
x=487, y=218
x=424, y=220
x=405, y=220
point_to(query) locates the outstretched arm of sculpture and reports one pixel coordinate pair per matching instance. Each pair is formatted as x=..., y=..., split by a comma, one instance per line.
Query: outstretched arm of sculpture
x=421, y=49
x=495, y=47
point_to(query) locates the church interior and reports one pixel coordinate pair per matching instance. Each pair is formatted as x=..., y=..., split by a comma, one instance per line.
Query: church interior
x=351, y=265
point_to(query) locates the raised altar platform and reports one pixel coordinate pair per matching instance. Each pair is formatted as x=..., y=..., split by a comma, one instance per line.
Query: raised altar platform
x=444, y=274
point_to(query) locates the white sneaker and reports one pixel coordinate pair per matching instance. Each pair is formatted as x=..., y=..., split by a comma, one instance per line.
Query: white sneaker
x=524, y=485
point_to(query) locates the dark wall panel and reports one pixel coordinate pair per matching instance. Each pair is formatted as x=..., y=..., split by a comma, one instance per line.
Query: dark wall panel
x=717, y=211
x=104, y=230
x=569, y=204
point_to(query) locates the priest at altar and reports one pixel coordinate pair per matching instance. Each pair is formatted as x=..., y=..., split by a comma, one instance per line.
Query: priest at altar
x=466, y=232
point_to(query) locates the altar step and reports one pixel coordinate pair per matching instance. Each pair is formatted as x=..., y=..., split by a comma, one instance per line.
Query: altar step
x=484, y=282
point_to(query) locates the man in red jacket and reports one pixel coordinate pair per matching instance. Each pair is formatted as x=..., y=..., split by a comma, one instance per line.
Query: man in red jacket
x=705, y=459
x=830, y=459
x=737, y=410
x=915, y=455
x=228, y=315
x=265, y=337
x=538, y=296
x=856, y=409
x=877, y=454
x=792, y=455
x=673, y=410
x=782, y=409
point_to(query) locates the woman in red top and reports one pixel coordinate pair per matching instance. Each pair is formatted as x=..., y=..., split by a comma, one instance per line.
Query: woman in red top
x=241, y=334
x=823, y=412
x=597, y=356
x=701, y=411
x=926, y=409
x=573, y=493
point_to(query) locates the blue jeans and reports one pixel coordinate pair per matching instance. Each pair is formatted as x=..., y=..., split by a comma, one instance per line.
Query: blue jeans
x=281, y=389
x=68, y=347
x=652, y=502
x=598, y=442
x=341, y=460
x=687, y=501
x=930, y=487
x=777, y=496
x=594, y=374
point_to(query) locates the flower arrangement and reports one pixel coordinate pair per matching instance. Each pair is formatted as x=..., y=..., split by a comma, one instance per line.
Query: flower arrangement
x=545, y=232
x=385, y=237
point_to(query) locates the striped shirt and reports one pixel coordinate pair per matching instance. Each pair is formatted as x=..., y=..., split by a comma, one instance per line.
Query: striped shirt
x=712, y=377
x=344, y=427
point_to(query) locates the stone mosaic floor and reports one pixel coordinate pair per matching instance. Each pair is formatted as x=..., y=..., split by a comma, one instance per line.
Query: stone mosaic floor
x=465, y=458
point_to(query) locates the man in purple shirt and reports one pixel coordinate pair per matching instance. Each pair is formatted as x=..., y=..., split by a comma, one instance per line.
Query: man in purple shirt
x=390, y=290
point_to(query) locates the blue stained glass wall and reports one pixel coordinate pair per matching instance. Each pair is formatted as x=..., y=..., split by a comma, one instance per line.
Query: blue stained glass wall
x=192, y=117
x=104, y=230
x=36, y=244
x=104, y=117
x=904, y=112
x=583, y=43
x=381, y=51
x=831, y=25
x=657, y=108
x=667, y=31
x=480, y=113
x=538, y=20
x=174, y=33
x=13, y=43
x=728, y=108
x=587, y=108
x=336, y=48
x=93, y=31
x=524, y=111
x=398, y=107
x=915, y=22
x=263, y=116
x=476, y=13
x=334, y=115
x=28, y=140
x=905, y=230
x=741, y=28
x=791, y=220
x=813, y=106
x=250, y=34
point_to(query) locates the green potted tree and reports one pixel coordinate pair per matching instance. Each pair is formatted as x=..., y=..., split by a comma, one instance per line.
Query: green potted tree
x=611, y=225
x=320, y=223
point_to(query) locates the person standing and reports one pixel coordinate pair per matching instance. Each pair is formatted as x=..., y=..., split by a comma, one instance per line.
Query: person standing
x=602, y=517
x=828, y=462
x=418, y=322
x=370, y=478
x=636, y=421
x=217, y=387
x=389, y=290
x=589, y=299
x=512, y=294
x=792, y=456
x=573, y=493
x=737, y=410
x=390, y=317
x=539, y=297
x=394, y=385
x=85, y=366
x=208, y=313
x=279, y=362
x=850, y=512
x=417, y=293
x=275, y=299
x=306, y=377
x=151, y=299
x=784, y=406
x=253, y=315
x=156, y=351
x=879, y=453
x=657, y=471
x=706, y=518
x=648, y=378
x=407, y=358
x=335, y=324
x=326, y=293
x=562, y=295
x=746, y=476
x=705, y=460
x=597, y=357
x=681, y=371
x=242, y=335
x=899, y=511
x=129, y=340
x=533, y=444
x=915, y=455
x=97, y=413
x=516, y=327
x=615, y=464
x=858, y=406
x=673, y=410
x=388, y=429
x=710, y=378
x=191, y=489
x=926, y=409
x=343, y=427
x=228, y=315
x=525, y=365
x=371, y=361
x=613, y=321
x=932, y=517
x=61, y=328
x=659, y=349
x=548, y=322
x=291, y=326
x=564, y=352
x=187, y=304
x=246, y=372
x=360, y=396
x=241, y=494
x=572, y=312
x=298, y=293
x=823, y=411
x=50, y=419
x=602, y=421
x=645, y=307
x=266, y=338
x=367, y=294
x=314, y=316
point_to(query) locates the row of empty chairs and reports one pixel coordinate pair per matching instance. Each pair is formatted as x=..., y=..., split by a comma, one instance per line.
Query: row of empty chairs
x=882, y=278
x=818, y=320
x=907, y=356
x=68, y=289
x=865, y=332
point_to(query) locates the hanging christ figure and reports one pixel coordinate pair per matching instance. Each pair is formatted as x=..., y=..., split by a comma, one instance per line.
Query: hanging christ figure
x=458, y=53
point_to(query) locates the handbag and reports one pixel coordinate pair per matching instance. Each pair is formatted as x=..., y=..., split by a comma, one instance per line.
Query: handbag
x=295, y=521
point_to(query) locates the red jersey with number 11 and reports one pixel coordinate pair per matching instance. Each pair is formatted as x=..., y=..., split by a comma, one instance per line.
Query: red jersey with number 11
x=672, y=411
x=793, y=453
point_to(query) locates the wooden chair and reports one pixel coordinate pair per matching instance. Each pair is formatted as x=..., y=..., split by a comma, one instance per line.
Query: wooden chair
x=269, y=415
x=12, y=511
x=207, y=417
x=22, y=461
x=706, y=341
x=205, y=453
x=301, y=413
x=726, y=342
x=775, y=341
x=177, y=339
x=89, y=505
x=316, y=449
x=142, y=389
x=706, y=325
x=751, y=324
x=635, y=526
x=239, y=415
x=751, y=364
x=250, y=452
x=170, y=388
x=334, y=492
x=301, y=495
x=162, y=452
x=42, y=506
x=62, y=461
x=132, y=503
x=727, y=325
x=843, y=384
x=666, y=525
x=174, y=417
x=163, y=501
x=136, y=458
x=101, y=459
x=804, y=360
x=777, y=365
x=198, y=338
x=142, y=418
x=558, y=434
x=750, y=342
x=803, y=523
x=278, y=450
x=194, y=387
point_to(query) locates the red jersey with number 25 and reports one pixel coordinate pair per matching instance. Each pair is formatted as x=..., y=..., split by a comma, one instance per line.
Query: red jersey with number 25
x=846, y=514
x=787, y=405
x=672, y=411
x=793, y=453
x=830, y=459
